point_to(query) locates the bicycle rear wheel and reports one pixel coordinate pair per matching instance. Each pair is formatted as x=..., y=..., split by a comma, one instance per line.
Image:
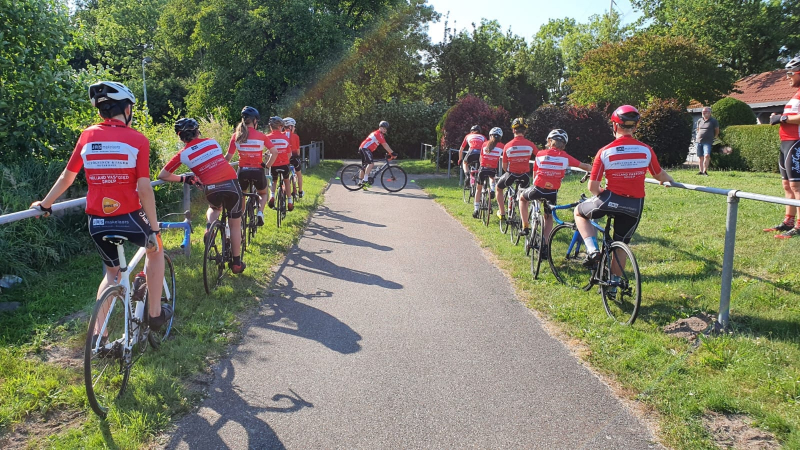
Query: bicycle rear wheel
x=465, y=189
x=486, y=204
x=514, y=222
x=622, y=295
x=247, y=219
x=281, y=202
x=506, y=202
x=105, y=370
x=394, y=178
x=350, y=177
x=213, y=260
x=567, y=253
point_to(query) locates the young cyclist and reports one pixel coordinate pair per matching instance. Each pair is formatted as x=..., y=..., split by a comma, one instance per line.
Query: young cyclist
x=120, y=201
x=367, y=148
x=289, y=126
x=251, y=144
x=473, y=142
x=280, y=150
x=489, y=158
x=516, y=163
x=549, y=168
x=205, y=159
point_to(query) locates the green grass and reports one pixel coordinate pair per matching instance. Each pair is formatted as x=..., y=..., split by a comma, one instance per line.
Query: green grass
x=416, y=166
x=679, y=247
x=34, y=387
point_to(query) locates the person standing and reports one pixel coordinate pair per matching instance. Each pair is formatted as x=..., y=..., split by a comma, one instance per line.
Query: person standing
x=707, y=132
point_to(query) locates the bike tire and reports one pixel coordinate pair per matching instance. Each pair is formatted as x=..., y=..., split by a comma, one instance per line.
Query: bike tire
x=213, y=257
x=168, y=295
x=281, y=203
x=350, y=177
x=504, y=223
x=621, y=302
x=566, y=256
x=537, y=244
x=106, y=374
x=394, y=178
x=247, y=219
x=514, y=222
x=486, y=208
x=465, y=189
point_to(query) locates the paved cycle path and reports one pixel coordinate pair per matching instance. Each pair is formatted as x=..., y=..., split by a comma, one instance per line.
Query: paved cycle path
x=388, y=327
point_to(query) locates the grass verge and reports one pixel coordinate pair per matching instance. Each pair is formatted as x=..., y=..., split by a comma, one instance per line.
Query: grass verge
x=41, y=354
x=679, y=246
x=417, y=166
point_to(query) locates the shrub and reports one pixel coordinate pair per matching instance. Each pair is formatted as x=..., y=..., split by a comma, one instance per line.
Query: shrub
x=758, y=145
x=730, y=111
x=469, y=111
x=588, y=128
x=666, y=127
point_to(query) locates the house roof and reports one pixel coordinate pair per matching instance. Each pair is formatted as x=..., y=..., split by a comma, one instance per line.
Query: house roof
x=760, y=90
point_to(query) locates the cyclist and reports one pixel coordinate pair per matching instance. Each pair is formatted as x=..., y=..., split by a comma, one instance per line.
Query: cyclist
x=280, y=151
x=789, y=158
x=120, y=201
x=250, y=143
x=205, y=159
x=624, y=162
x=474, y=143
x=489, y=158
x=367, y=148
x=516, y=163
x=289, y=125
x=549, y=168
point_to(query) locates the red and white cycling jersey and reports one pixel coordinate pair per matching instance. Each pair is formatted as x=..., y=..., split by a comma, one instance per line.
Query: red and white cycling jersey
x=625, y=163
x=491, y=158
x=251, y=152
x=549, y=167
x=114, y=157
x=372, y=141
x=204, y=158
x=518, y=152
x=791, y=132
x=280, y=142
x=473, y=141
x=294, y=142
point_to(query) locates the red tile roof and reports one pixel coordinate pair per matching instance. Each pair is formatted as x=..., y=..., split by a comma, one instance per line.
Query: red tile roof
x=763, y=89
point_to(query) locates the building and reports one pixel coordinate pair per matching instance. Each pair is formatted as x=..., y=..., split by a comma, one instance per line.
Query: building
x=765, y=93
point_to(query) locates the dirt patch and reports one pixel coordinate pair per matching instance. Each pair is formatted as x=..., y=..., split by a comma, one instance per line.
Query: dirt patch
x=735, y=431
x=38, y=427
x=690, y=327
x=81, y=316
x=69, y=357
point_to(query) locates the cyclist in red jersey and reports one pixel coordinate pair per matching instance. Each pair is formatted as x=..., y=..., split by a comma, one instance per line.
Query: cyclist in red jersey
x=489, y=159
x=250, y=143
x=280, y=151
x=120, y=201
x=289, y=125
x=549, y=168
x=473, y=143
x=205, y=159
x=368, y=147
x=624, y=162
x=516, y=163
x=789, y=158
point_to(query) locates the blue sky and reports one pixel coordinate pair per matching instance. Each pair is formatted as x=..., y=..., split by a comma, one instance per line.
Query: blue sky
x=523, y=16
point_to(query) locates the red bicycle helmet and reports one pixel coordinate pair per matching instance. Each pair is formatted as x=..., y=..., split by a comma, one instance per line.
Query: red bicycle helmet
x=626, y=116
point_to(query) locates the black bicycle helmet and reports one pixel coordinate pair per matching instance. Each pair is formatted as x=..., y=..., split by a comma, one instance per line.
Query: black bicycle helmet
x=186, y=124
x=383, y=124
x=275, y=121
x=475, y=129
x=248, y=112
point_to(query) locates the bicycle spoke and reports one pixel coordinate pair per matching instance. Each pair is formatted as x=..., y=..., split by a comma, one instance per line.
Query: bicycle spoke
x=620, y=285
x=103, y=352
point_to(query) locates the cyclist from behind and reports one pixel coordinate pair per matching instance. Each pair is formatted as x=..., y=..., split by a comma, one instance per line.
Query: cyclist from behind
x=250, y=143
x=120, y=201
x=624, y=162
x=368, y=147
x=473, y=143
x=549, y=168
x=280, y=153
x=289, y=126
x=489, y=159
x=205, y=159
x=516, y=163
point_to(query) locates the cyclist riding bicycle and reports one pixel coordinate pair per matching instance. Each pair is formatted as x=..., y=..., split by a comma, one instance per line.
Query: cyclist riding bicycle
x=489, y=159
x=474, y=143
x=549, y=168
x=250, y=143
x=205, y=159
x=289, y=125
x=368, y=147
x=120, y=201
x=280, y=151
x=516, y=163
x=624, y=162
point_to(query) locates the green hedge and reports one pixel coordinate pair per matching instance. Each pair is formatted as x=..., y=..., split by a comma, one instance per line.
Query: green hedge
x=758, y=145
x=730, y=111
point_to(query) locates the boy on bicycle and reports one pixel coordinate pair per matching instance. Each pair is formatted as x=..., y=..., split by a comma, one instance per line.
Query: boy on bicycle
x=516, y=163
x=490, y=158
x=473, y=142
x=289, y=125
x=368, y=147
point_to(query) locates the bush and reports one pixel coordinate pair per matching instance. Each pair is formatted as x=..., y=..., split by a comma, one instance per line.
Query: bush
x=666, y=127
x=730, y=111
x=469, y=111
x=588, y=128
x=727, y=158
x=758, y=145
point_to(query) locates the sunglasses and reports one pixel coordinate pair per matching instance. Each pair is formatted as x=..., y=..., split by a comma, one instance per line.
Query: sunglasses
x=790, y=74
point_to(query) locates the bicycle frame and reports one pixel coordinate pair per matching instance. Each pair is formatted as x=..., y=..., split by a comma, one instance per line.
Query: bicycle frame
x=577, y=239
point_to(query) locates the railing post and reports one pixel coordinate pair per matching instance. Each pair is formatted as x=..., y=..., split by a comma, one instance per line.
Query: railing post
x=187, y=205
x=723, y=318
x=438, y=151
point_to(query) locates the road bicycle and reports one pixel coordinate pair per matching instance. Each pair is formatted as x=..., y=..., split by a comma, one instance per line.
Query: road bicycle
x=393, y=178
x=249, y=222
x=536, y=243
x=217, y=252
x=470, y=182
x=486, y=201
x=513, y=221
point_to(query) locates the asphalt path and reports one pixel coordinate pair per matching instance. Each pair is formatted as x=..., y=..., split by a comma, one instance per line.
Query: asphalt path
x=388, y=327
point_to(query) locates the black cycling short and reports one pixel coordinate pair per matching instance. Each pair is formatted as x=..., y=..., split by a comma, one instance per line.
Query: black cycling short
x=134, y=226
x=226, y=194
x=295, y=161
x=539, y=193
x=366, y=156
x=283, y=170
x=473, y=156
x=626, y=212
x=789, y=160
x=254, y=176
x=509, y=178
x=486, y=172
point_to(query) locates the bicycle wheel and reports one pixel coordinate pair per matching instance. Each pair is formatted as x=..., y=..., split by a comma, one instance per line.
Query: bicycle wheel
x=536, y=244
x=105, y=370
x=486, y=207
x=529, y=238
x=213, y=260
x=168, y=295
x=506, y=202
x=350, y=177
x=394, y=178
x=567, y=253
x=622, y=295
x=281, y=204
x=465, y=189
x=247, y=219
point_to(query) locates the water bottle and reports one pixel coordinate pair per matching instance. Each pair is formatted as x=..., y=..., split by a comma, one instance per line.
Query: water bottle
x=227, y=231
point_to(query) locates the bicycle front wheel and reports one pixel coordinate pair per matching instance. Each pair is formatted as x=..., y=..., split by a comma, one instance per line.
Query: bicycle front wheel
x=514, y=222
x=213, y=260
x=486, y=205
x=621, y=285
x=105, y=370
x=537, y=244
x=567, y=253
x=351, y=177
x=506, y=202
x=394, y=178
x=465, y=190
x=168, y=295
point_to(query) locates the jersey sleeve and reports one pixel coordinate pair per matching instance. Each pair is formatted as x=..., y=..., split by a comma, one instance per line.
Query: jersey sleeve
x=654, y=167
x=573, y=162
x=232, y=145
x=463, y=143
x=295, y=142
x=173, y=163
x=597, y=168
x=143, y=160
x=75, y=161
x=381, y=138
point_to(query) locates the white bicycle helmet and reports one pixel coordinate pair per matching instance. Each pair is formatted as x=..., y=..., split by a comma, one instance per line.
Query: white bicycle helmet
x=110, y=90
x=793, y=63
x=496, y=131
x=558, y=134
x=289, y=122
